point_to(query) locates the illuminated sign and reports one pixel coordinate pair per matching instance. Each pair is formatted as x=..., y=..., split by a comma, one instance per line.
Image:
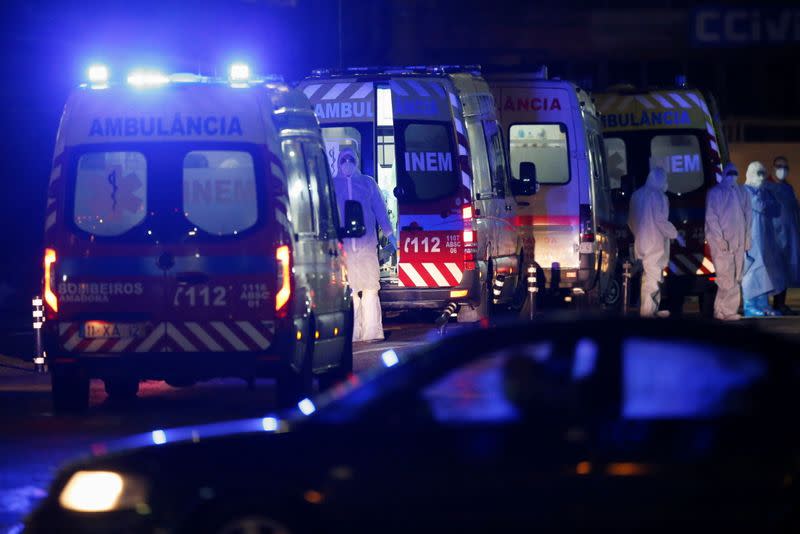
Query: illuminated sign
x=742, y=26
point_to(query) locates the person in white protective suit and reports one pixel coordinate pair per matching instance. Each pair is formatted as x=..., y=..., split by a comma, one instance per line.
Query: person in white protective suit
x=652, y=231
x=728, y=219
x=361, y=254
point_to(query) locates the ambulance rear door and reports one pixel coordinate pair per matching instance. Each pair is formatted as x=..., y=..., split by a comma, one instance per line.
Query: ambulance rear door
x=430, y=153
x=543, y=128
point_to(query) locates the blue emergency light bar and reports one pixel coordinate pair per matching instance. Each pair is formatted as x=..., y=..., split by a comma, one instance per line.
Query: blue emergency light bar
x=147, y=78
x=239, y=75
x=398, y=70
x=98, y=74
x=239, y=72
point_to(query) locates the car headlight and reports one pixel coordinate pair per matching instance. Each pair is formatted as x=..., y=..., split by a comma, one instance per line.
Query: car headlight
x=102, y=491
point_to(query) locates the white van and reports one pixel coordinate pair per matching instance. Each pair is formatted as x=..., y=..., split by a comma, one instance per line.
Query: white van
x=554, y=125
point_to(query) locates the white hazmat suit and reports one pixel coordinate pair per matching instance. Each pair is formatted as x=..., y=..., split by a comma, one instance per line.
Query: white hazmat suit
x=728, y=219
x=361, y=254
x=648, y=220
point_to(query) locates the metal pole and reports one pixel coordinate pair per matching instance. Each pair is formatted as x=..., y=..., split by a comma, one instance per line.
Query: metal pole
x=38, y=321
x=339, y=29
x=444, y=318
x=626, y=283
x=533, y=288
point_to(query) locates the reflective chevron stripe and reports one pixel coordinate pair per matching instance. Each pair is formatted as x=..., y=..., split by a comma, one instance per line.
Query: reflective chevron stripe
x=214, y=336
x=427, y=274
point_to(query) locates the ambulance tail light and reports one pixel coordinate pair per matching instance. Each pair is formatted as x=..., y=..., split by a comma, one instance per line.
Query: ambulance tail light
x=50, y=297
x=283, y=256
x=586, y=225
x=469, y=237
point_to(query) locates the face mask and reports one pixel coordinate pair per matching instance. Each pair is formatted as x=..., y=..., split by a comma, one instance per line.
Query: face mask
x=348, y=168
x=781, y=173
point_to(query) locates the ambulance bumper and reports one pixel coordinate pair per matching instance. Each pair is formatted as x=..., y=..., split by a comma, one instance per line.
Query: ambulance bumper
x=172, y=366
x=430, y=298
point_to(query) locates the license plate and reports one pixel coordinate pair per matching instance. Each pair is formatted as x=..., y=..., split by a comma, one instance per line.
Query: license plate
x=106, y=330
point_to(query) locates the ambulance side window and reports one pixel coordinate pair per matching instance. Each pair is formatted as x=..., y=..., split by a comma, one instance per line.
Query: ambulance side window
x=497, y=159
x=110, y=192
x=219, y=191
x=544, y=145
x=300, y=207
x=319, y=184
x=617, y=161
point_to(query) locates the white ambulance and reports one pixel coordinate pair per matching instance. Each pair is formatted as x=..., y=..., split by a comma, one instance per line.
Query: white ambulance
x=191, y=232
x=553, y=125
x=431, y=139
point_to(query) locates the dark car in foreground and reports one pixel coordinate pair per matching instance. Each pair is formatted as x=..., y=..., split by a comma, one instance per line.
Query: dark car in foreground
x=594, y=424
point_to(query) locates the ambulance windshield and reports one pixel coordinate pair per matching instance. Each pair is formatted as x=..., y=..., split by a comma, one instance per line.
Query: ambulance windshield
x=426, y=166
x=544, y=145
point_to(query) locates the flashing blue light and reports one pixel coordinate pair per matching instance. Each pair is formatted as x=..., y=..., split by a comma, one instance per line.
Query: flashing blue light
x=159, y=437
x=98, y=74
x=239, y=72
x=269, y=424
x=144, y=78
x=306, y=406
x=390, y=358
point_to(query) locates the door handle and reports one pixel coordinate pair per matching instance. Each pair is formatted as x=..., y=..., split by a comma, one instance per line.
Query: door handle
x=192, y=278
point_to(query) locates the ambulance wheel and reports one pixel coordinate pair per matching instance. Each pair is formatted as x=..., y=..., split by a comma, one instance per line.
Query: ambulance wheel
x=612, y=298
x=294, y=385
x=121, y=388
x=70, y=389
x=345, y=368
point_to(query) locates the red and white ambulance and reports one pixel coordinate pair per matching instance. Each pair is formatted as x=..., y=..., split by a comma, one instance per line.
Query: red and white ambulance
x=191, y=232
x=430, y=137
x=678, y=129
x=553, y=125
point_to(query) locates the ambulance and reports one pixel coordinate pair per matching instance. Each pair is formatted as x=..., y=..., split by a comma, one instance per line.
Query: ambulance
x=430, y=138
x=191, y=233
x=678, y=129
x=553, y=126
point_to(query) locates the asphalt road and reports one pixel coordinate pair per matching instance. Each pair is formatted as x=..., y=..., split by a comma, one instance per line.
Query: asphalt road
x=34, y=441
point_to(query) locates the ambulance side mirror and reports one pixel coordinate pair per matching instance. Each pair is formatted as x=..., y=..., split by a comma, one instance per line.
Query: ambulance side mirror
x=526, y=184
x=353, y=220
